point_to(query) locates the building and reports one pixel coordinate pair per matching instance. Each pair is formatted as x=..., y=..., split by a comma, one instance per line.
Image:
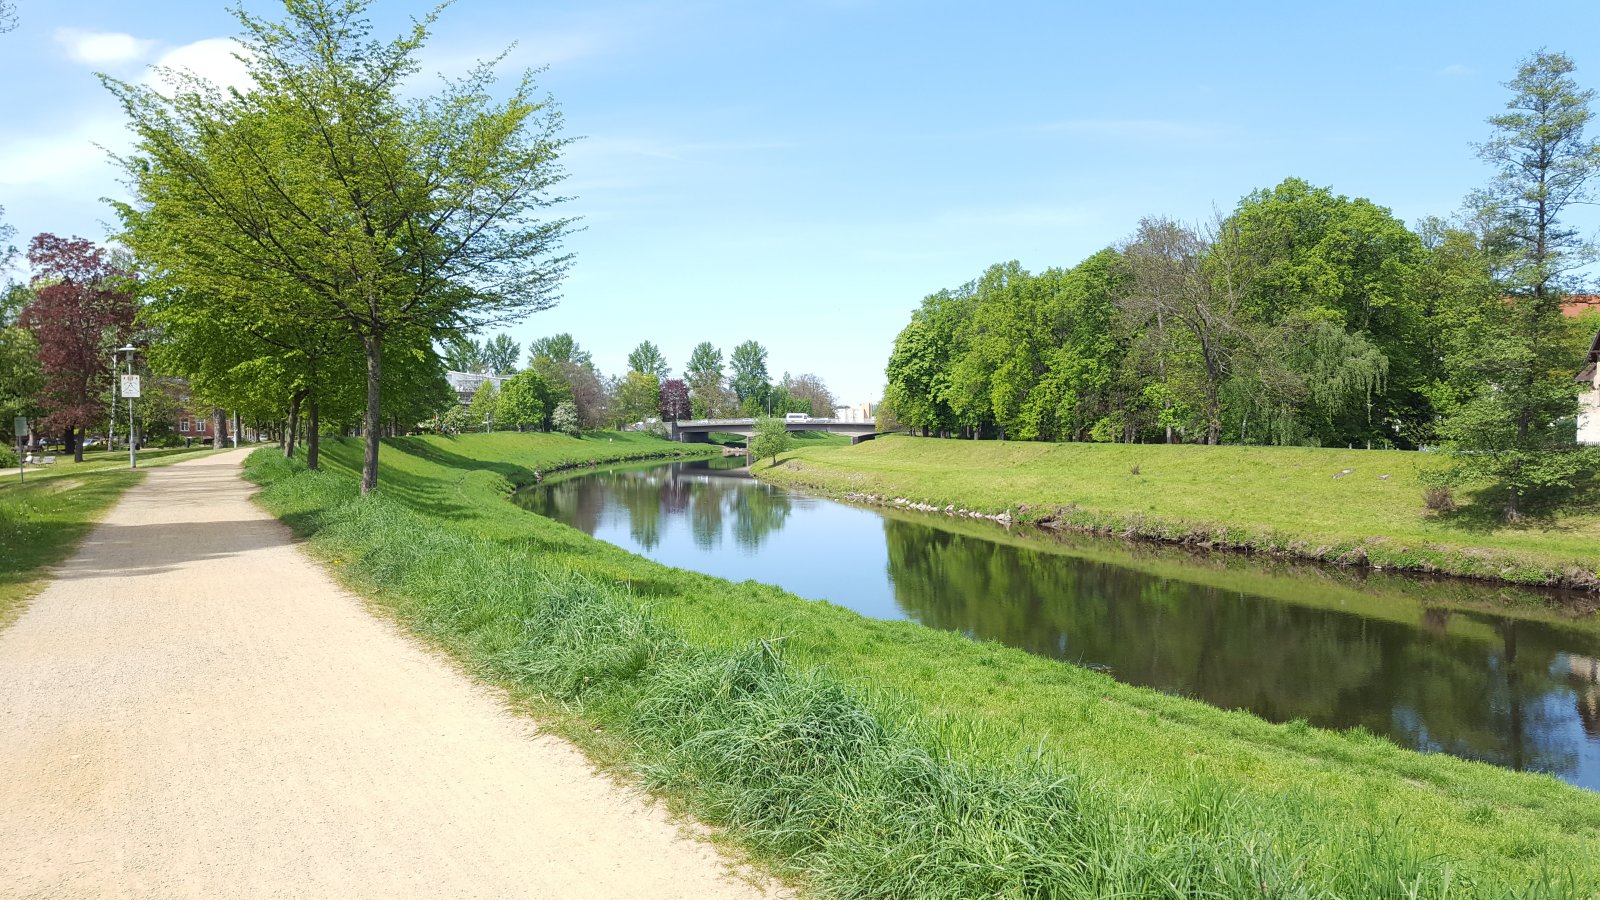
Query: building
x=1575, y=305
x=861, y=412
x=465, y=384
x=1589, y=397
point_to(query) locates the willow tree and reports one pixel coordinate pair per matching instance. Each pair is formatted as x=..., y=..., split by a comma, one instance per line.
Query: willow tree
x=393, y=214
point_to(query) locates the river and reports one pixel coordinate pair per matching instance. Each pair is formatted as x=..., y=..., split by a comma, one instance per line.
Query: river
x=1436, y=665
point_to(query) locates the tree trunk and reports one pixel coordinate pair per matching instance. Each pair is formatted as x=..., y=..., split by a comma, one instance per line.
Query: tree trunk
x=238, y=428
x=313, y=441
x=292, y=427
x=373, y=424
x=75, y=438
x=219, y=425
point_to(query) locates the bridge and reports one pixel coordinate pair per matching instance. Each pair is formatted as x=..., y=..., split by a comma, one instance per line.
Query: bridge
x=698, y=431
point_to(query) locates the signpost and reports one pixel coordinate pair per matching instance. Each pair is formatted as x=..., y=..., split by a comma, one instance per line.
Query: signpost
x=19, y=425
x=130, y=389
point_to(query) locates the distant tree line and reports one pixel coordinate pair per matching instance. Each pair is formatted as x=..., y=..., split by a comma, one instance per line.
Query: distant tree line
x=561, y=376
x=1301, y=317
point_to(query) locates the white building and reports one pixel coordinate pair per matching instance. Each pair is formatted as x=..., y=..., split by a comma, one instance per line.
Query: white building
x=861, y=412
x=1589, y=398
x=465, y=384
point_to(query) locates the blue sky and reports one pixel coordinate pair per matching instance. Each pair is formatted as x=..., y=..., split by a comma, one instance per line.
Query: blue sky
x=803, y=173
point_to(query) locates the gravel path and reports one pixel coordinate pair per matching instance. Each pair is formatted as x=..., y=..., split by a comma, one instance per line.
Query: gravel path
x=193, y=708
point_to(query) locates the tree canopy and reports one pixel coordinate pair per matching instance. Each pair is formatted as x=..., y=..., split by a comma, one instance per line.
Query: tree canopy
x=322, y=194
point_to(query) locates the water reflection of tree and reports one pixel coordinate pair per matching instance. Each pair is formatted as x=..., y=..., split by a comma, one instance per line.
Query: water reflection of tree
x=1476, y=692
x=759, y=513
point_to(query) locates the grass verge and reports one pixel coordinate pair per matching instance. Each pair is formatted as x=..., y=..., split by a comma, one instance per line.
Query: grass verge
x=870, y=759
x=41, y=523
x=1361, y=507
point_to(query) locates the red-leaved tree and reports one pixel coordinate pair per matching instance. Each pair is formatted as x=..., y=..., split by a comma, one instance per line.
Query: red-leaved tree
x=82, y=310
x=674, y=400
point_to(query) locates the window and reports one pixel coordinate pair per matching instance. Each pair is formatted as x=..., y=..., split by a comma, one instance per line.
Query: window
x=183, y=426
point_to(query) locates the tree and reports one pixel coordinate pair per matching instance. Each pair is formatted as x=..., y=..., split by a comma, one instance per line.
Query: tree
x=1514, y=425
x=750, y=379
x=675, y=404
x=647, y=359
x=1318, y=260
x=709, y=396
x=20, y=376
x=770, y=439
x=481, y=410
x=393, y=215
x=524, y=400
x=638, y=397
x=500, y=355
x=811, y=393
x=565, y=419
x=559, y=348
x=1175, y=281
x=463, y=354
x=82, y=310
x=8, y=15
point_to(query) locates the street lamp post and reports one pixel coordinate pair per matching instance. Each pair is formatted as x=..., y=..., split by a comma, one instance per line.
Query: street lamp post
x=133, y=445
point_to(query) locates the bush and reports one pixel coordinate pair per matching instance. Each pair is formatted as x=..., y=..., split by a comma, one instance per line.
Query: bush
x=1438, y=498
x=8, y=458
x=565, y=419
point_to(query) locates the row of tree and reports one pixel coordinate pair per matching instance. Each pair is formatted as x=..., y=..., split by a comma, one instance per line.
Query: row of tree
x=560, y=374
x=1300, y=317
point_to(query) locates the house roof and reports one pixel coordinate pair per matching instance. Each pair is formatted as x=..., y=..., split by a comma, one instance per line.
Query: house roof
x=1594, y=348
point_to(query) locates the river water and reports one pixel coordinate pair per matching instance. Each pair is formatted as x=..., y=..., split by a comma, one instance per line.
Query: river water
x=1434, y=665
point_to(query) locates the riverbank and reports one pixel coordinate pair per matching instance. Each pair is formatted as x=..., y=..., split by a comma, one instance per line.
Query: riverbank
x=1348, y=507
x=865, y=757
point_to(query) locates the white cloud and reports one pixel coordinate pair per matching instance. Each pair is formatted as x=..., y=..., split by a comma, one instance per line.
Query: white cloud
x=212, y=59
x=103, y=48
x=60, y=161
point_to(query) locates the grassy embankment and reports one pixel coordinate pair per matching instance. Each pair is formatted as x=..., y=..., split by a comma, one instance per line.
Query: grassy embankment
x=1283, y=500
x=869, y=758
x=43, y=518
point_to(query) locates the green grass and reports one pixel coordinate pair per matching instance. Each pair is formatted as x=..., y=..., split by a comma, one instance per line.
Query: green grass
x=42, y=521
x=100, y=461
x=1279, y=499
x=868, y=758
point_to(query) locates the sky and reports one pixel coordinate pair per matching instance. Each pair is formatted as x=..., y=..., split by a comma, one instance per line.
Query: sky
x=804, y=173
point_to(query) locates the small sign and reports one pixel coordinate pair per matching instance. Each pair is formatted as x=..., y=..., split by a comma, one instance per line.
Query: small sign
x=19, y=426
x=130, y=386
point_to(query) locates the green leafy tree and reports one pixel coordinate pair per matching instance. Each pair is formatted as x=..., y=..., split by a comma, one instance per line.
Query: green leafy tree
x=1515, y=424
x=463, y=354
x=500, y=354
x=565, y=419
x=647, y=359
x=638, y=398
x=1315, y=260
x=395, y=216
x=709, y=396
x=21, y=379
x=770, y=439
x=750, y=379
x=558, y=348
x=485, y=401
x=524, y=401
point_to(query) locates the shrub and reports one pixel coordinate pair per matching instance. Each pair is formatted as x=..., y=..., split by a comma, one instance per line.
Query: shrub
x=1438, y=498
